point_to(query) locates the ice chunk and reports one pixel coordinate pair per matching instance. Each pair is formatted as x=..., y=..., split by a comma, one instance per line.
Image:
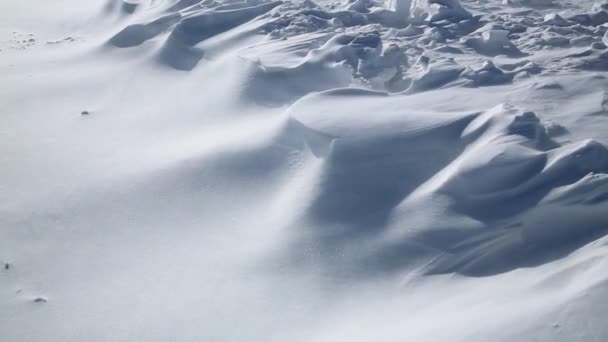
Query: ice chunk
x=494, y=43
x=438, y=10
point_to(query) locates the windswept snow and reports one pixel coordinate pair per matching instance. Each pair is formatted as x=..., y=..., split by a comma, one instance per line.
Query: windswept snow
x=296, y=170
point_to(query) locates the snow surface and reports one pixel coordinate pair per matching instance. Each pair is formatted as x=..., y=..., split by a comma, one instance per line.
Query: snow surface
x=257, y=170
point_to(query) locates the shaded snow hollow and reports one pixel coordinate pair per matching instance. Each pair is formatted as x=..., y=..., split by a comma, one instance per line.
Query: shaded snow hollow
x=226, y=170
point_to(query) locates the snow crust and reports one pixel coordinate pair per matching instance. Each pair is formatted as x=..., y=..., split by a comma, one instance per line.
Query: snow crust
x=297, y=170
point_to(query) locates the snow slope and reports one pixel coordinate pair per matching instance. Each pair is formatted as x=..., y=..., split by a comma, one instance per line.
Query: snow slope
x=225, y=170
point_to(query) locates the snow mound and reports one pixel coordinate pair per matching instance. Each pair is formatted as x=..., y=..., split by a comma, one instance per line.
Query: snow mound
x=511, y=185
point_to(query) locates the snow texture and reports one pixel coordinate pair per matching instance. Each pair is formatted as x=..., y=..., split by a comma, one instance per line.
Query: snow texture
x=297, y=170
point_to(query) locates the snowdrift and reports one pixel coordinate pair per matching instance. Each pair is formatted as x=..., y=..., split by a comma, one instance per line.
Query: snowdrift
x=226, y=170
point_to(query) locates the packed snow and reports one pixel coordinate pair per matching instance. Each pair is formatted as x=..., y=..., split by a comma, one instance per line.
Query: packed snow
x=298, y=170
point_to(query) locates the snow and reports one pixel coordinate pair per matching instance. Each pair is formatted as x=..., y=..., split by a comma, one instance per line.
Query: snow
x=302, y=170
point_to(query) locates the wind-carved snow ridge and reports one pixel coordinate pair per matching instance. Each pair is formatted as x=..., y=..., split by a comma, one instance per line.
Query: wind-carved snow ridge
x=399, y=46
x=500, y=173
x=504, y=181
x=514, y=172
